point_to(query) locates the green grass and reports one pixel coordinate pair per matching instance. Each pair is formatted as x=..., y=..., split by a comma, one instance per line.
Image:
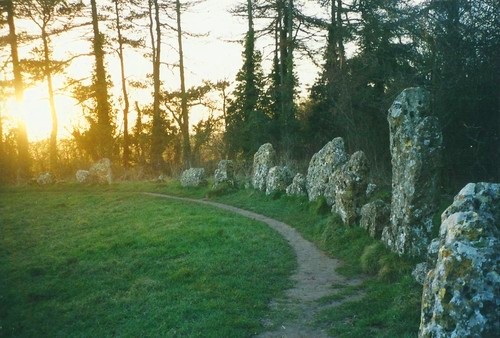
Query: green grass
x=106, y=261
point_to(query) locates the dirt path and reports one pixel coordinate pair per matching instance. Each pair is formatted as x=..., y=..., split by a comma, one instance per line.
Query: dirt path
x=314, y=278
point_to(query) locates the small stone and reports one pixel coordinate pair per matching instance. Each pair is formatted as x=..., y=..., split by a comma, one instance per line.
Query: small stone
x=371, y=188
x=193, y=177
x=420, y=272
x=374, y=217
x=45, y=178
x=100, y=172
x=278, y=179
x=298, y=186
x=224, y=174
x=83, y=176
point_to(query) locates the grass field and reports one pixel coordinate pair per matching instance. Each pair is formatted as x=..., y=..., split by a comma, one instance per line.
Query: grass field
x=106, y=261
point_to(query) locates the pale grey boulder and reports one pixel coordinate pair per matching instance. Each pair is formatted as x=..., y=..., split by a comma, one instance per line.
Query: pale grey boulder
x=416, y=145
x=193, y=177
x=82, y=176
x=375, y=217
x=46, y=178
x=322, y=166
x=263, y=160
x=350, y=182
x=224, y=173
x=298, y=186
x=278, y=179
x=101, y=172
x=461, y=293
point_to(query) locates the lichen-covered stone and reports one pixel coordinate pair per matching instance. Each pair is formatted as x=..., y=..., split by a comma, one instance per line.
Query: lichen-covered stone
x=100, y=172
x=278, y=179
x=349, y=182
x=298, y=186
x=224, y=174
x=322, y=165
x=371, y=188
x=193, y=177
x=461, y=293
x=263, y=160
x=45, y=179
x=375, y=217
x=420, y=272
x=82, y=176
x=416, y=142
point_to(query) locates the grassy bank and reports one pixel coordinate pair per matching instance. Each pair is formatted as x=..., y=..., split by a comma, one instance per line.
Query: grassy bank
x=106, y=261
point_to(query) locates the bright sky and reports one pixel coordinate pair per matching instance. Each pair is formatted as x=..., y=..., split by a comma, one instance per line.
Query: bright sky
x=215, y=57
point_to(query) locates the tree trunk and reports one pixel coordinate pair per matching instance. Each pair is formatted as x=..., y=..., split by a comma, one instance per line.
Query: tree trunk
x=155, y=35
x=21, y=134
x=105, y=137
x=126, y=107
x=186, y=146
x=53, y=113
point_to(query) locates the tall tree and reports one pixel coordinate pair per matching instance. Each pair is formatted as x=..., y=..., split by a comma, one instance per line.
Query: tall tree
x=104, y=127
x=247, y=124
x=23, y=164
x=45, y=14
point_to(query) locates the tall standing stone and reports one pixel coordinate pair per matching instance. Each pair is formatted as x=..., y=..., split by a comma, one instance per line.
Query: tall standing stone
x=461, y=293
x=263, y=160
x=322, y=165
x=416, y=142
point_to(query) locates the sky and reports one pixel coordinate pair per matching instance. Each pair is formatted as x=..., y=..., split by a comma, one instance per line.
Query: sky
x=215, y=56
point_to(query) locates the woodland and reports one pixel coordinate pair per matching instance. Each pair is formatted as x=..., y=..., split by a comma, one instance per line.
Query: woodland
x=366, y=53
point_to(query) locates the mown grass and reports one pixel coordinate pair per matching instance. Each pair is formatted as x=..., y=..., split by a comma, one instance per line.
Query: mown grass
x=107, y=261
x=391, y=303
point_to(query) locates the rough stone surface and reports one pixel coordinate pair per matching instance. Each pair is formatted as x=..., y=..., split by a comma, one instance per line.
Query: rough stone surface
x=224, y=174
x=461, y=294
x=420, y=272
x=371, y=188
x=100, y=172
x=374, y=217
x=278, y=179
x=322, y=165
x=193, y=177
x=45, y=179
x=350, y=181
x=83, y=176
x=416, y=142
x=263, y=160
x=298, y=186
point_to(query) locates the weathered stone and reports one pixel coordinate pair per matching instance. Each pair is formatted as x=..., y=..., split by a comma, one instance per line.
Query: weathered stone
x=45, y=178
x=374, y=217
x=416, y=142
x=371, y=188
x=162, y=178
x=298, y=186
x=278, y=179
x=461, y=293
x=322, y=165
x=193, y=177
x=83, y=176
x=263, y=160
x=350, y=181
x=420, y=272
x=224, y=174
x=100, y=172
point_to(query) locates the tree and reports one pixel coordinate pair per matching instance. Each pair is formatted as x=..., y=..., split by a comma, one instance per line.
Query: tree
x=23, y=158
x=104, y=128
x=45, y=14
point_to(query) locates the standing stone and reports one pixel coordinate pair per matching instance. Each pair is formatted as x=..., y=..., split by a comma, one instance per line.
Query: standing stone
x=278, y=179
x=461, y=294
x=415, y=140
x=263, y=160
x=375, y=217
x=100, y=172
x=224, y=174
x=45, y=178
x=83, y=176
x=322, y=165
x=350, y=182
x=193, y=177
x=298, y=186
